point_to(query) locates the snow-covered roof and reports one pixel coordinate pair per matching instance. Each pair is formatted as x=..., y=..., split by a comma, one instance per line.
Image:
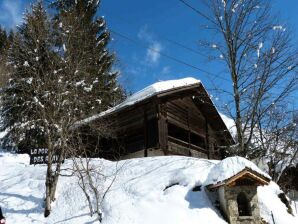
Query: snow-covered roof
x=231, y=166
x=149, y=91
x=230, y=123
x=153, y=90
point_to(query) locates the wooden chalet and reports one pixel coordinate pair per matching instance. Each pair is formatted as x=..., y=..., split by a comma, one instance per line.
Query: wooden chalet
x=175, y=117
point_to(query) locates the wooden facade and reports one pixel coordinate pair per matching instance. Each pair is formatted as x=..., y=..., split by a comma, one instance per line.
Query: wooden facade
x=180, y=121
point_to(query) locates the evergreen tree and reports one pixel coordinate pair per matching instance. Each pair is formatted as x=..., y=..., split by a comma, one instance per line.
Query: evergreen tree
x=86, y=83
x=5, y=43
x=60, y=74
x=83, y=40
x=6, y=40
x=33, y=102
x=3, y=39
x=30, y=60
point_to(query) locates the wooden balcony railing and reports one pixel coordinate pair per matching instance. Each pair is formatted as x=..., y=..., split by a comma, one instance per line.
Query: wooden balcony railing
x=186, y=144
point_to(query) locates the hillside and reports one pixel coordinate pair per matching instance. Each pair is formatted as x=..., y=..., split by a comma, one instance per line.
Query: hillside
x=148, y=190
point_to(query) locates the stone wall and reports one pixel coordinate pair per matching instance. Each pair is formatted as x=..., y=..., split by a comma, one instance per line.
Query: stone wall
x=222, y=199
x=231, y=208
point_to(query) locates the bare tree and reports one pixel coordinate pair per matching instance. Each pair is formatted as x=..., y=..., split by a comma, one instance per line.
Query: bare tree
x=94, y=183
x=92, y=176
x=56, y=83
x=276, y=145
x=260, y=57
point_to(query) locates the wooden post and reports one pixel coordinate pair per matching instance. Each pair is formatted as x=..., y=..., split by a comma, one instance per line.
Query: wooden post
x=207, y=139
x=272, y=217
x=189, y=151
x=162, y=127
x=145, y=128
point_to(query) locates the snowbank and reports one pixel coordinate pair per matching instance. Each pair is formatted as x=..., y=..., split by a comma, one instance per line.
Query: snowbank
x=230, y=167
x=270, y=205
x=147, y=190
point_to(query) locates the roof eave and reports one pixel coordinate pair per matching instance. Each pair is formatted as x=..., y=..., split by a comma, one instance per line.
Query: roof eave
x=262, y=180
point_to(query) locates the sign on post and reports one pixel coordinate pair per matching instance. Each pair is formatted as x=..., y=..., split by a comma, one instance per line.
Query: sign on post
x=40, y=156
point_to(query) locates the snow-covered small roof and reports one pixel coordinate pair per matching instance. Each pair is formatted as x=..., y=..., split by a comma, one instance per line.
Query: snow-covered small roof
x=149, y=91
x=230, y=167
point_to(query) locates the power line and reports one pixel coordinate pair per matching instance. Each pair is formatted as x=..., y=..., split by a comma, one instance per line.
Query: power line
x=181, y=45
x=185, y=47
x=196, y=10
x=167, y=55
x=207, y=18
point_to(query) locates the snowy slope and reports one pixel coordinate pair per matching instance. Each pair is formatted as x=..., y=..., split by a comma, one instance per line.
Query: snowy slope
x=138, y=196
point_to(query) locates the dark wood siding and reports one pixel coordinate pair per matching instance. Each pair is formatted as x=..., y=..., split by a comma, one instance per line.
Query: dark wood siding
x=175, y=123
x=186, y=127
x=137, y=128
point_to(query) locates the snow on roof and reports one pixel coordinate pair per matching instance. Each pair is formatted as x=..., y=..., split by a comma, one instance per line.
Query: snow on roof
x=230, y=123
x=154, y=89
x=230, y=167
x=146, y=93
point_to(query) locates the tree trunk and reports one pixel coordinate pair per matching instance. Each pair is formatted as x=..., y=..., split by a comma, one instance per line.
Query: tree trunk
x=232, y=52
x=56, y=176
x=48, y=185
x=49, y=179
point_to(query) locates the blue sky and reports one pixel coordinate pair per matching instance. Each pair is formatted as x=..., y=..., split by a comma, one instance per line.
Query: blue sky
x=157, y=24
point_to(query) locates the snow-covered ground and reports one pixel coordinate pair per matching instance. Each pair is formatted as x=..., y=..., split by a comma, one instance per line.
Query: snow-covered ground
x=139, y=195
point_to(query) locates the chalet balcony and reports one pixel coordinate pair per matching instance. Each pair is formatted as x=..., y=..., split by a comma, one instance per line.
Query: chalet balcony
x=180, y=147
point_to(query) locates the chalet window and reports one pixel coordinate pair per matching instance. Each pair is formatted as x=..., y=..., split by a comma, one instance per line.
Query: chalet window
x=177, y=132
x=216, y=149
x=152, y=133
x=244, y=208
x=197, y=140
x=186, y=136
x=134, y=141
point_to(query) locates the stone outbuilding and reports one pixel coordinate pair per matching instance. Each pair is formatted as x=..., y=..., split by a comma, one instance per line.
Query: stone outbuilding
x=238, y=196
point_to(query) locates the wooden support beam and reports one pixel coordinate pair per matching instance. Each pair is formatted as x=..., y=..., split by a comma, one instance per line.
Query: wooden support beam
x=188, y=118
x=210, y=156
x=145, y=133
x=162, y=127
